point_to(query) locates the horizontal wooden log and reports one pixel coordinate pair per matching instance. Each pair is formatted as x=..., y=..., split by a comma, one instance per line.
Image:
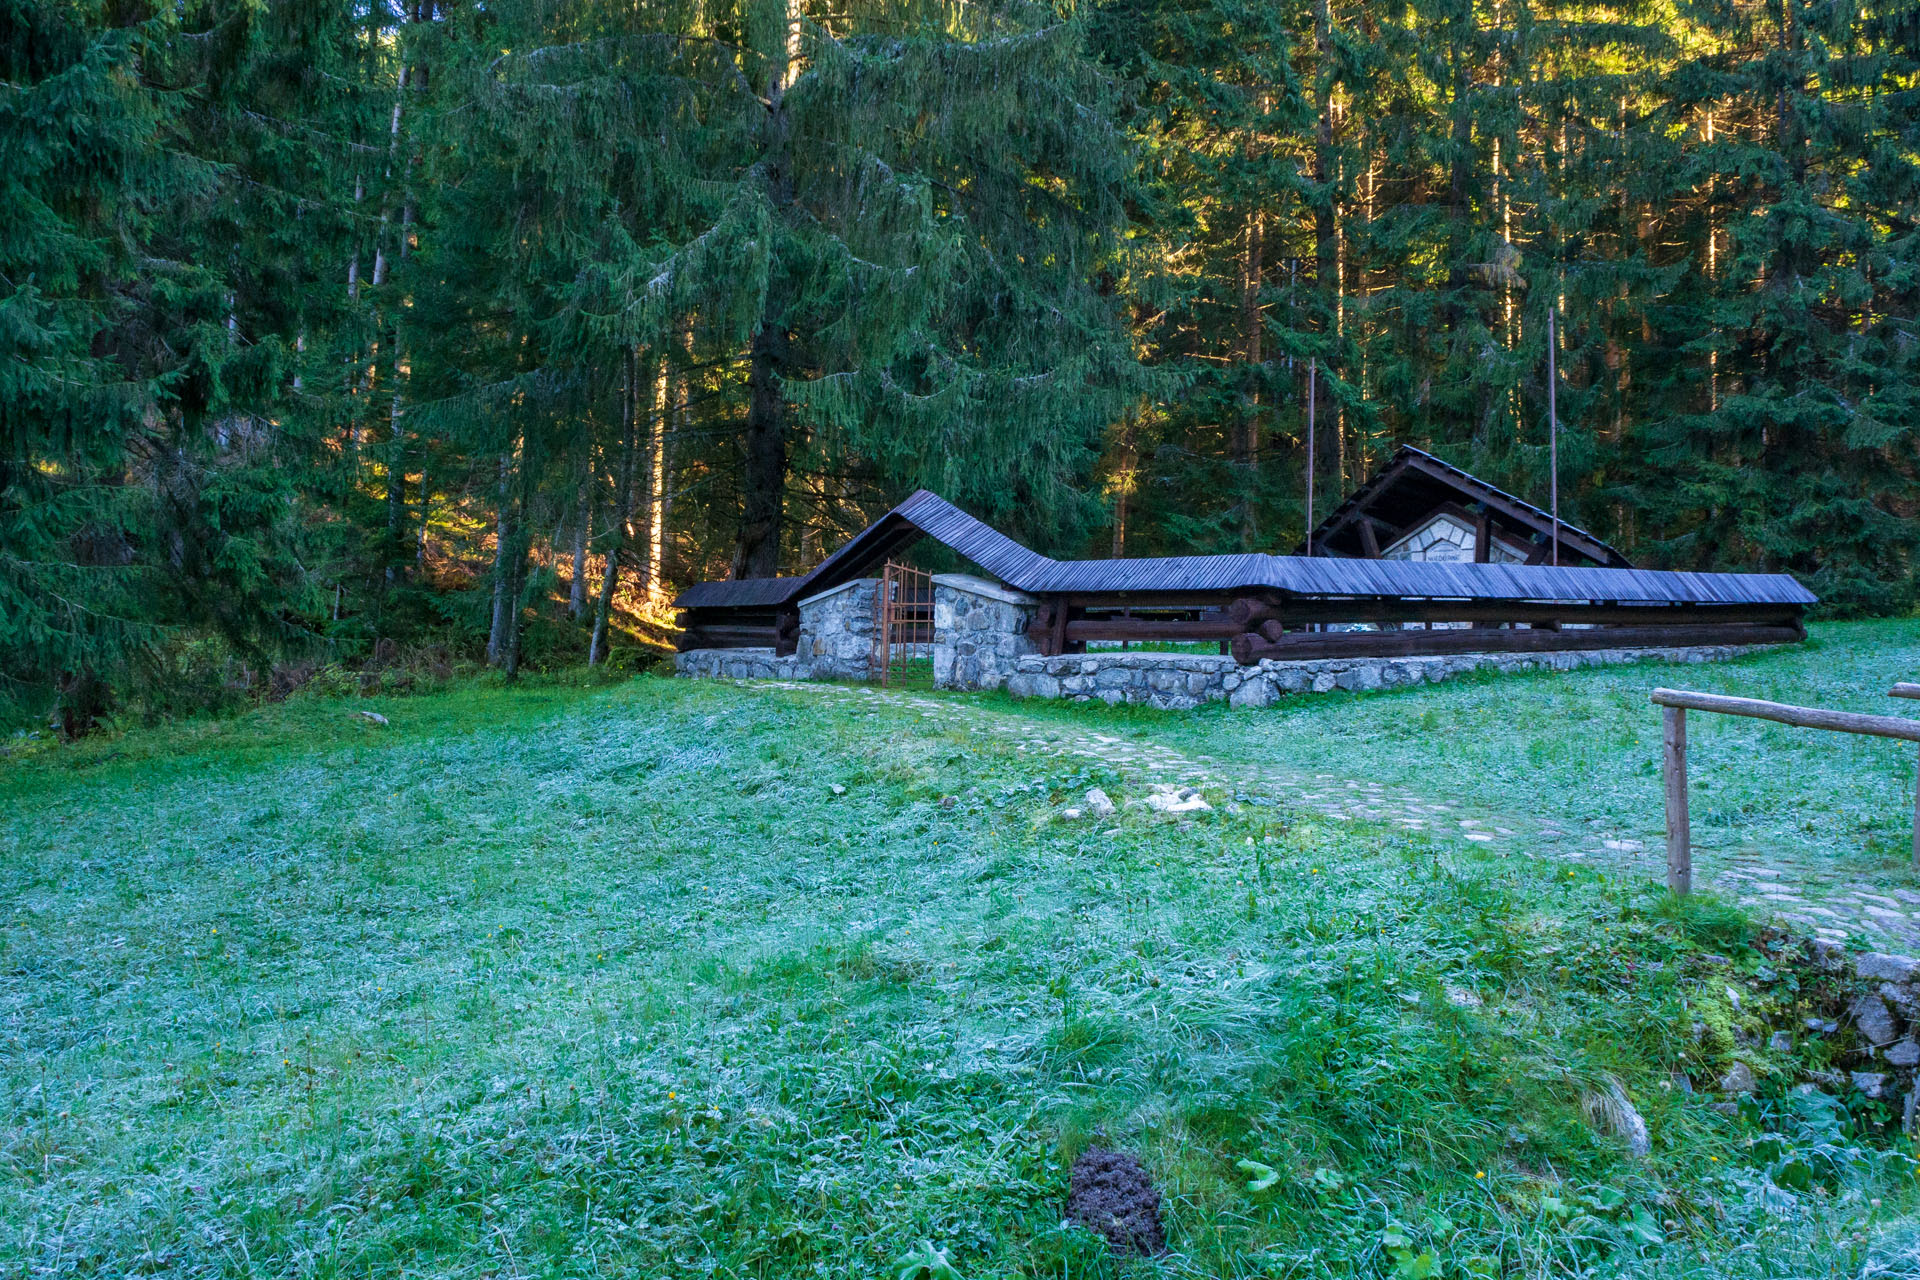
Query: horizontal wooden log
x=1295, y=612
x=729, y=618
x=1251, y=611
x=1112, y=600
x=1248, y=649
x=1787, y=713
x=728, y=637
x=1904, y=690
x=1081, y=630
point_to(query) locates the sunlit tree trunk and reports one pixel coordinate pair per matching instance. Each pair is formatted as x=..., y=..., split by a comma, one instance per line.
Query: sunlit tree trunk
x=622, y=507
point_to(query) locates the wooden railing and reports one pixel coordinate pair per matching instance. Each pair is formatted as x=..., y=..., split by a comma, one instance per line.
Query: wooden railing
x=1675, y=704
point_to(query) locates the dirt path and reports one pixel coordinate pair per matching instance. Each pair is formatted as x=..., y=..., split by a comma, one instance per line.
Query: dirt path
x=1811, y=898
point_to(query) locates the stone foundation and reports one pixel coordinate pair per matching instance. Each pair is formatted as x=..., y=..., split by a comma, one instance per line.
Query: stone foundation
x=980, y=642
x=979, y=632
x=740, y=664
x=836, y=632
x=1177, y=681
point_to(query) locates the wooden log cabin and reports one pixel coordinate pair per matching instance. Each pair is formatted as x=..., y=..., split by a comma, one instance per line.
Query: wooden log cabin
x=1422, y=559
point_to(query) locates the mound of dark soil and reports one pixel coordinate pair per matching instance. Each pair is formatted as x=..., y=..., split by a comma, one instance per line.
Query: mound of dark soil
x=1112, y=1194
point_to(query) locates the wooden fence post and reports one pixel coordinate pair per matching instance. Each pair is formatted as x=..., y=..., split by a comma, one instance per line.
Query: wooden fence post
x=1906, y=689
x=1673, y=768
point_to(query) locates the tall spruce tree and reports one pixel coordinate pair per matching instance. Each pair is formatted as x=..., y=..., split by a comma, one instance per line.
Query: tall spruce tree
x=142, y=500
x=896, y=216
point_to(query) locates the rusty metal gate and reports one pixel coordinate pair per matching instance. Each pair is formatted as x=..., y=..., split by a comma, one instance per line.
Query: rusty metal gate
x=903, y=621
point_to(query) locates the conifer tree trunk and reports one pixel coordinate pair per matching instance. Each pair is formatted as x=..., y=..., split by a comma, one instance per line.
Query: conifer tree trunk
x=1247, y=437
x=502, y=560
x=764, y=479
x=1326, y=224
x=582, y=531
x=667, y=409
x=764, y=482
x=517, y=570
x=622, y=509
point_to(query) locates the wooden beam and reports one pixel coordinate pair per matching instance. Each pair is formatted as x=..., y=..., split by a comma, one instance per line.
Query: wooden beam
x=1389, y=609
x=1356, y=505
x=1507, y=507
x=1673, y=770
x=1483, y=536
x=1677, y=702
x=1081, y=630
x=1369, y=541
x=718, y=637
x=1251, y=611
x=1406, y=644
x=1786, y=713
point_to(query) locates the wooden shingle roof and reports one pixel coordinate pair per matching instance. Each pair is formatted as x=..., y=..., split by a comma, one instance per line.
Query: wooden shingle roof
x=926, y=514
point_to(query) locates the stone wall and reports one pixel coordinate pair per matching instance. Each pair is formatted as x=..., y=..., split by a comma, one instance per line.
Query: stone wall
x=1181, y=680
x=740, y=664
x=837, y=631
x=979, y=632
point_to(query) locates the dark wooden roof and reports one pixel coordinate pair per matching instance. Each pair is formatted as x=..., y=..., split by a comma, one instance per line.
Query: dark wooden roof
x=929, y=515
x=1413, y=483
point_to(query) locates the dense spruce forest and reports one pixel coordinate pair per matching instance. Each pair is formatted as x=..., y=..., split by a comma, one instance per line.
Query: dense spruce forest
x=481, y=325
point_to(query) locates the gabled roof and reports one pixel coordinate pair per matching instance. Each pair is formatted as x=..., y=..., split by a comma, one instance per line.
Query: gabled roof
x=928, y=515
x=923, y=514
x=1413, y=482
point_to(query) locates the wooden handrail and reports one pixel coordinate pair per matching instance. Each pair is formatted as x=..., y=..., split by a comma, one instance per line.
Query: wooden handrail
x=1675, y=703
x=1786, y=713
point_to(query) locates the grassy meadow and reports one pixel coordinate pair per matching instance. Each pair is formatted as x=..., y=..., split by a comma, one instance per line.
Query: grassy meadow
x=608, y=980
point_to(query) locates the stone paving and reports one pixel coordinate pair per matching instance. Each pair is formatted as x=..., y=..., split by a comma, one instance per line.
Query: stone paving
x=1829, y=905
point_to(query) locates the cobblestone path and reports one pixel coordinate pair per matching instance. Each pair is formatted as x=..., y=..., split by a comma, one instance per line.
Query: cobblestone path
x=1828, y=904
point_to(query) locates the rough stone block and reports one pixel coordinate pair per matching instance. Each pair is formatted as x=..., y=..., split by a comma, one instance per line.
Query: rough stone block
x=1252, y=694
x=1874, y=1021
x=1877, y=966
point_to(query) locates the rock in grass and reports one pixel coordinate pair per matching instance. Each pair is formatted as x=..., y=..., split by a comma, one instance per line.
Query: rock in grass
x=1830, y=956
x=1610, y=1111
x=1872, y=1019
x=1172, y=799
x=1877, y=966
x=1904, y=1053
x=1098, y=803
x=1780, y=1042
x=1871, y=1083
x=1110, y=1192
x=1738, y=1079
x=1071, y=815
x=371, y=717
x=1901, y=1000
x=836, y=788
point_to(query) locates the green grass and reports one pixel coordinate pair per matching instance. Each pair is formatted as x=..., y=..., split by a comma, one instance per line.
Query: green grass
x=574, y=980
x=1583, y=748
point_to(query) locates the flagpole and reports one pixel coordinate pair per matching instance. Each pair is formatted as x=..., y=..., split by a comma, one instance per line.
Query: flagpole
x=1312, y=370
x=1553, y=433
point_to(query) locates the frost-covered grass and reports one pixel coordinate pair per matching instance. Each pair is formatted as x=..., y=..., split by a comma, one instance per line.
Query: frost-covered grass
x=575, y=981
x=1584, y=747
